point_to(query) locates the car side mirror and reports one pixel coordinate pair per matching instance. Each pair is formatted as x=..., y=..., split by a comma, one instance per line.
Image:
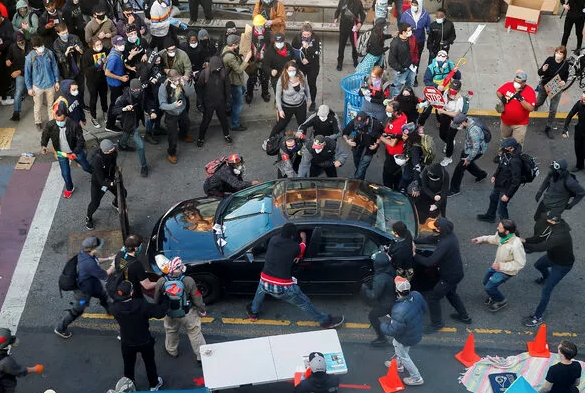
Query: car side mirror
x=249, y=256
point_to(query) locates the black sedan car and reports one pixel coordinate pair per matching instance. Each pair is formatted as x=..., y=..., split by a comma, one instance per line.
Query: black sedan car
x=223, y=241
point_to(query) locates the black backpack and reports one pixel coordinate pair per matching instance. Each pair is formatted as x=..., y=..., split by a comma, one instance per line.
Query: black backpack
x=529, y=168
x=273, y=144
x=120, y=274
x=68, y=277
x=487, y=134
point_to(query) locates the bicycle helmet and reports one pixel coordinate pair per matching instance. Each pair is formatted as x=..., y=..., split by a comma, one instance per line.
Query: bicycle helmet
x=235, y=159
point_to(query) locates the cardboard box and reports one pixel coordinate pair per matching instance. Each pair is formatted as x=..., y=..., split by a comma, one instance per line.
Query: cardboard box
x=524, y=15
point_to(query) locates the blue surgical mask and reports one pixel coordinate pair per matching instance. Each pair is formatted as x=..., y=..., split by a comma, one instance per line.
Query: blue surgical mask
x=439, y=20
x=292, y=73
x=64, y=37
x=61, y=123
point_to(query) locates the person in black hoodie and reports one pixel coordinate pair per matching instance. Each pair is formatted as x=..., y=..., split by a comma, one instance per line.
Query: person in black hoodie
x=447, y=256
x=351, y=15
x=132, y=315
x=400, y=251
x=308, y=51
x=276, y=280
x=48, y=20
x=506, y=180
x=319, y=381
x=553, y=235
x=15, y=61
x=228, y=178
x=135, y=50
x=409, y=104
x=6, y=38
x=432, y=200
x=275, y=57
x=192, y=48
x=381, y=293
x=441, y=35
x=68, y=49
x=362, y=134
x=94, y=60
x=74, y=18
x=575, y=16
x=69, y=93
x=579, y=137
x=152, y=76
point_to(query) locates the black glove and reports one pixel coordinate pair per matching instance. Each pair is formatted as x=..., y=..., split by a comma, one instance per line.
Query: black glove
x=504, y=100
x=538, y=195
x=518, y=96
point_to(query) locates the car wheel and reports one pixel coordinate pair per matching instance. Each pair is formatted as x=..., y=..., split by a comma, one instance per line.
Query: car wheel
x=210, y=287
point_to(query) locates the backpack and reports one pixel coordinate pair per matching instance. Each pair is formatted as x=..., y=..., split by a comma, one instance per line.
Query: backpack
x=466, y=103
x=174, y=289
x=212, y=166
x=529, y=168
x=363, y=43
x=428, y=148
x=68, y=277
x=120, y=274
x=487, y=134
x=273, y=144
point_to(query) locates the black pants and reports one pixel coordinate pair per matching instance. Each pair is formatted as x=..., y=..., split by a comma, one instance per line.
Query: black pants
x=98, y=87
x=253, y=79
x=176, y=126
x=579, y=149
x=299, y=112
x=129, y=353
x=425, y=115
x=208, y=115
x=346, y=33
x=79, y=306
x=96, y=197
x=316, y=170
x=392, y=173
x=569, y=22
x=441, y=290
x=115, y=92
x=446, y=133
x=311, y=71
x=159, y=42
x=5, y=79
x=459, y=171
x=194, y=9
x=374, y=317
x=421, y=47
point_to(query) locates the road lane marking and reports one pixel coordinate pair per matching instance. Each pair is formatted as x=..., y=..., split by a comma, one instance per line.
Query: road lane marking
x=89, y=315
x=246, y=321
x=33, y=247
x=564, y=334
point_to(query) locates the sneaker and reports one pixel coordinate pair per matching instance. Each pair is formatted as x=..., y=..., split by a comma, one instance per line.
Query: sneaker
x=446, y=161
x=379, y=342
x=228, y=140
x=540, y=280
x=312, y=107
x=339, y=67
x=40, y=128
x=497, y=306
x=239, y=128
x=266, y=96
x=248, y=99
x=158, y=385
x=67, y=194
x=252, y=316
x=548, y=132
x=489, y=301
x=89, y=223
x=413, y=382
x=415, y=83
x=532, y=321
x=8, y=101
x=399, y=367
x=192, y=22
x=265, y=144
x=122, y=147
x=62, y=333
x=115, y=129
x=445, y=149
x=200, y=142
x=115, y=206
x=333, y=322
x=486, y=218
x=457, y=317
x=173, y=159
x=144, y=171
x=95, y=123
x=453, y=193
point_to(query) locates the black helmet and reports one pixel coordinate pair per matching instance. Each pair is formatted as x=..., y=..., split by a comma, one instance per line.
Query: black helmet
x=380, y=258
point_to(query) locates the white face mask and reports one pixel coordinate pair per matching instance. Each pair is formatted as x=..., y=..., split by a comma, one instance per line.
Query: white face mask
x=292, y=74
x=409, y=33
x=414, y=8
x=98, y=48
x=74, y=93
x=132, y=39
x=171, y=54
x=517, y=85
x=439, y=20
x=174, y=85
x=121, y=48
x=238, y=170
x=41, y=50
x=279, y=45
x=323, y=118
x=559, y=56
x=318, y=150
x=389, y=114
x=194, y=45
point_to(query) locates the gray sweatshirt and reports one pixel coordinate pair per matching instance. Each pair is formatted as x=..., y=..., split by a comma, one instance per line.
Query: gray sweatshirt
x=290, y=96
x=170, y=107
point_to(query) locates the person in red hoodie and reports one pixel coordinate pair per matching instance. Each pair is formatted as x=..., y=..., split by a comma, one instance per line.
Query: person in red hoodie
x=392, y=139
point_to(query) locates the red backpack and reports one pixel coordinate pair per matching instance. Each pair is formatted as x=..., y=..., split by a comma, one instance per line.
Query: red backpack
x=212, y=166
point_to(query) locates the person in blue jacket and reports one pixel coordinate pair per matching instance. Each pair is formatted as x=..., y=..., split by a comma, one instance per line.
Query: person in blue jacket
x=420, y=21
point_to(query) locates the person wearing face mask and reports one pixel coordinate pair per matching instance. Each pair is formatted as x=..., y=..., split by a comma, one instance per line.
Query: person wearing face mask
x=193, y=49
x=230, y=28
x=93, y=69
x=135, y=50
x=69, y=51
x=553, y=65
x=506, y=180
x=561, y=190
x=228, y=178
x=363, y=134
x=325, y=122
x=74, y=18
x=441, y=34
x=172, y=97
x=48, y=20
x=161, y=20
x=420, y=21
x=209, y=46
x=24, y=20
x=261, y=39
x=117, y=77
x=194, y=10
x=176, y=58
x=308, y=50
x=400, y=59
x=453, y=106
x=410, y=182
x=275, y=57
x=274, y=13
x=351, y=15
x=518, y=100
x=321, y=154
x=410, y=104
x=100, y=27
x=575, y=16
x=15, y=60
x=41, y=77
x=213, y=95
x=66, y=136
x=152, y=76
x=375, y=48
x=375, y=91
x=509, y=260
x=70, y=96
x=236, y=66
x=130, y=107
x=9, y=368
x=392, y=140
x=579, y=137
x=129, y=17
x=126, y=259
x=289, y=157
x=434, y=185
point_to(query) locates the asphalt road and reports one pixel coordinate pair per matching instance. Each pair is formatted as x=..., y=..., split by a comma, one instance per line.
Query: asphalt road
x=92, y=358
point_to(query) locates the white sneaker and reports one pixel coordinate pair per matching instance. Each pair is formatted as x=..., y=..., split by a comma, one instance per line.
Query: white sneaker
x=413, y=382
x=96, y=123
x=8, y=101
x=399, y=367
x=264, y=144
x=158, y=385
x=446, y=161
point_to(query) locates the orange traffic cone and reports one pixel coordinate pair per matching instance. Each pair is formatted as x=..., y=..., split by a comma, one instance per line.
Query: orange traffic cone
x=468, y=356
x=391, y=382
x=539, y=347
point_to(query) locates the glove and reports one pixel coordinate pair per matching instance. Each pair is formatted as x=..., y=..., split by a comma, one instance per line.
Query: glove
x=368, y=98
x=519, y=97
x=39, y=368
x=183, y=26
x=504, y=100
x=538, y=195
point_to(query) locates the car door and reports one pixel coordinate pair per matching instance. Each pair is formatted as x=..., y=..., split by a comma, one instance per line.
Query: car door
x=338, y=258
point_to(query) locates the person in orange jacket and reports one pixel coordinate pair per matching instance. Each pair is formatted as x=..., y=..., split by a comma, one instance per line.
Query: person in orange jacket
x=274, y=13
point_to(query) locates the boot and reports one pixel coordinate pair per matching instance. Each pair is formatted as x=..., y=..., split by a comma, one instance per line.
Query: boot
x=339, y=66
x=415, y=82
x=248, y=98
x=15, y=116
x=548, y=132
x=266, y=96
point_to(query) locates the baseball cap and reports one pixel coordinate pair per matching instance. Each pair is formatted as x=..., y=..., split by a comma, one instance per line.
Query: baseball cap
x=360, y=119
x=442, y=53
x=323, y=111
x=459, y=118
x=127, y=7
x=279, y=37
x=91, y=243
x=230, y=24
x=318, y=142
x=106, y=145
x=233, y=39
x=401, y=284
x=317, y=362
x=19, y=36
x=521, y=75
x=118, y=40
x=455, y=85
x=509, y=142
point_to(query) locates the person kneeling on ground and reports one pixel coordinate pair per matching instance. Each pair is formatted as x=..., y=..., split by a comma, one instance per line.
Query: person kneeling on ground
x=228, y=178
x=319, y=381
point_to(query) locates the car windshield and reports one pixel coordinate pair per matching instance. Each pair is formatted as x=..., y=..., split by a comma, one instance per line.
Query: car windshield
x=393, y=207
x=247, y=216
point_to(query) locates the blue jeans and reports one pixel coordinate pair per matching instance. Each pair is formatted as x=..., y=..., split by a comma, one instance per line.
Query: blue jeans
x=552, y=274
x=290, y=294
x=401, y=79
x=361, y=161
x=19, y=89
x=403, y=359
x=237, y=104
x=66, y=169
x=150, y=124
x=492, y=280
x=139, y=145
x=497, y=204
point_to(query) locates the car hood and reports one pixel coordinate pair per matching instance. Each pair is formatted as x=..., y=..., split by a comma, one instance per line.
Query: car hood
x=186, y=230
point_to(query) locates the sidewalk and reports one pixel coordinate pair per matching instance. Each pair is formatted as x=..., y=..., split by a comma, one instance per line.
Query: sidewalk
x=492, y=62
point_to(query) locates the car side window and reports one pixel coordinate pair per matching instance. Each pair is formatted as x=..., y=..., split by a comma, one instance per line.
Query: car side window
x=344, y=242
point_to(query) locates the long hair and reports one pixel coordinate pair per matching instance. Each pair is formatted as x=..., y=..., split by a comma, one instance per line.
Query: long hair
x=284, y=78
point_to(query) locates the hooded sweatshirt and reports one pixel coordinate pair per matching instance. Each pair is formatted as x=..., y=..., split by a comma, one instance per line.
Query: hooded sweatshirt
x=561, y=189
x=133, y=314
x=74, y=108
x=32, y=19
x=439, y=186
x=510, y=254
x=74, y=18
x=555, y=239
x=195, y=55
x=383, y=290
x=6, y=35
x=508, y=175
x=213, y=86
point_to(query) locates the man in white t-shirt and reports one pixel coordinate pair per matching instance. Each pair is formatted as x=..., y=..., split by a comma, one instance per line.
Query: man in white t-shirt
x=453, y=106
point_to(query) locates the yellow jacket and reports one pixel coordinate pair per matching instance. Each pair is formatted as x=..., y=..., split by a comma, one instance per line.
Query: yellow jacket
x=277, y=15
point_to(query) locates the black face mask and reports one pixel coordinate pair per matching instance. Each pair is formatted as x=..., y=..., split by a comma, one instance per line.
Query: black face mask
x=100, y=17
x=556, y=174
x=135, y=94
x=502, y=234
